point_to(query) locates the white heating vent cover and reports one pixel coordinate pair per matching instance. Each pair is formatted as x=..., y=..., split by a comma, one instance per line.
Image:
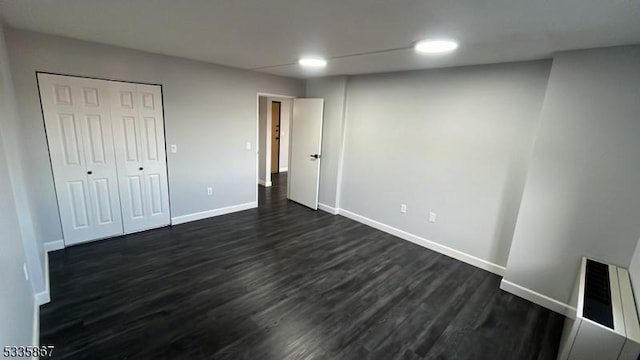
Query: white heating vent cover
x=585, y=339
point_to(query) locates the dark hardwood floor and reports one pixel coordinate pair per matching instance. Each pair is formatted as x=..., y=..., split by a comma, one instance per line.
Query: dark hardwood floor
x=282, y=282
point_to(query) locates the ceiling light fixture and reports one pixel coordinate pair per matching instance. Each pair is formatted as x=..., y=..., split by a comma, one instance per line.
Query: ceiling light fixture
x=313, y=62
x=436, y=46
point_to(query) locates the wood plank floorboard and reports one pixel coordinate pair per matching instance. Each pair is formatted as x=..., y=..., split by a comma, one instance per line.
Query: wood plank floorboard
x=282, y=282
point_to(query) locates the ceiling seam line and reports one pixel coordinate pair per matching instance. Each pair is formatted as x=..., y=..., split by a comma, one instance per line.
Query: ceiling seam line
x=339, y=57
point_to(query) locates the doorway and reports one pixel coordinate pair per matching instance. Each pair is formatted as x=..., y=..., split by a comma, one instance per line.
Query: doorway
x=274, y=116
x=276, y=107
x=279, y=149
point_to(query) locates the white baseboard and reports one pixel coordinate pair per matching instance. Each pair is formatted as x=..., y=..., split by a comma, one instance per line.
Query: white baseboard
x=44, y=297
x=265, y=183
x=211, y=213
x=327, y=208
x=54, y=245
x=537, y=298
x=283, y=169
x=456, y=254
x=35, y=336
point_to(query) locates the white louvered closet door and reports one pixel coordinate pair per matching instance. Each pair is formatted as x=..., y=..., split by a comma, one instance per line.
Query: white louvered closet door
x=78, y=124
x=138, y=125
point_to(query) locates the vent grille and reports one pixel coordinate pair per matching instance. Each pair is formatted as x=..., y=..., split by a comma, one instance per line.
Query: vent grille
x=597, y=295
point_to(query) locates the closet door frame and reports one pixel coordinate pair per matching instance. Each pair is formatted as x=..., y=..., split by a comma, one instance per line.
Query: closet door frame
x=163, y=130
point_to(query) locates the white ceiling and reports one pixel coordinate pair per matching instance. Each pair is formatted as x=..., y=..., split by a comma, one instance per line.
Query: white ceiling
x=268, y=35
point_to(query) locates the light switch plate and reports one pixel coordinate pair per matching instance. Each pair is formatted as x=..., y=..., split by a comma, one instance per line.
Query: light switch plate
x=248, y=146
x=174, y=148
x=432, y=217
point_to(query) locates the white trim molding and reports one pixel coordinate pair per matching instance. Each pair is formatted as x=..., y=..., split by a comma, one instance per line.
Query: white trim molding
x=35, y=336
x=44, y=297
x=445, y=250
x=327, y=208
x=266, y=94
x=265, y=183
x=54, y=245
x=283, y=169
x=537, y=298
x=211, y=213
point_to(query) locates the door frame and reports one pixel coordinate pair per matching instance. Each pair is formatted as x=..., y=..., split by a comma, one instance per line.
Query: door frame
x=164, y=131
x=257, y=143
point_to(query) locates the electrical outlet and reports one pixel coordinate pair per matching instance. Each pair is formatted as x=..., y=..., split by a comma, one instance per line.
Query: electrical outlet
x=174, y=148
x=432, y=217
x=403, y=208
x=26, y=271
x=209, y=191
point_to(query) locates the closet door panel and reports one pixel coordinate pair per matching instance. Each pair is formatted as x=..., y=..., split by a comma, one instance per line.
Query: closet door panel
x=69, y=166
x=100, y=158
x=78, y=124
x=127, y=134
x=78, y=202
x=149, y=100
x=135, y=196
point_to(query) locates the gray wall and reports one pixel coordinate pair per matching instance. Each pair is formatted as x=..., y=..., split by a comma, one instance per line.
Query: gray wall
x=333, y=91
x=583, y=188
x=210, y=113
x=16, y=294
x=15, y=148
x=453, y=141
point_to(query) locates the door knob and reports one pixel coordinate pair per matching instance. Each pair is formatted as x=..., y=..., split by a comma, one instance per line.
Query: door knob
x=315, y=156
x=141, y=168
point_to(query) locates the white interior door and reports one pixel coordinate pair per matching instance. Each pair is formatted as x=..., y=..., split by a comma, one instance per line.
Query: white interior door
x=78, y=124
x=138, y=125
x=305, y=150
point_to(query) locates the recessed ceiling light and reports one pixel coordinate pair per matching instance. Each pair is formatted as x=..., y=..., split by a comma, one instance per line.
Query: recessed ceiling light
x=313, y=62
x=436, y=46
